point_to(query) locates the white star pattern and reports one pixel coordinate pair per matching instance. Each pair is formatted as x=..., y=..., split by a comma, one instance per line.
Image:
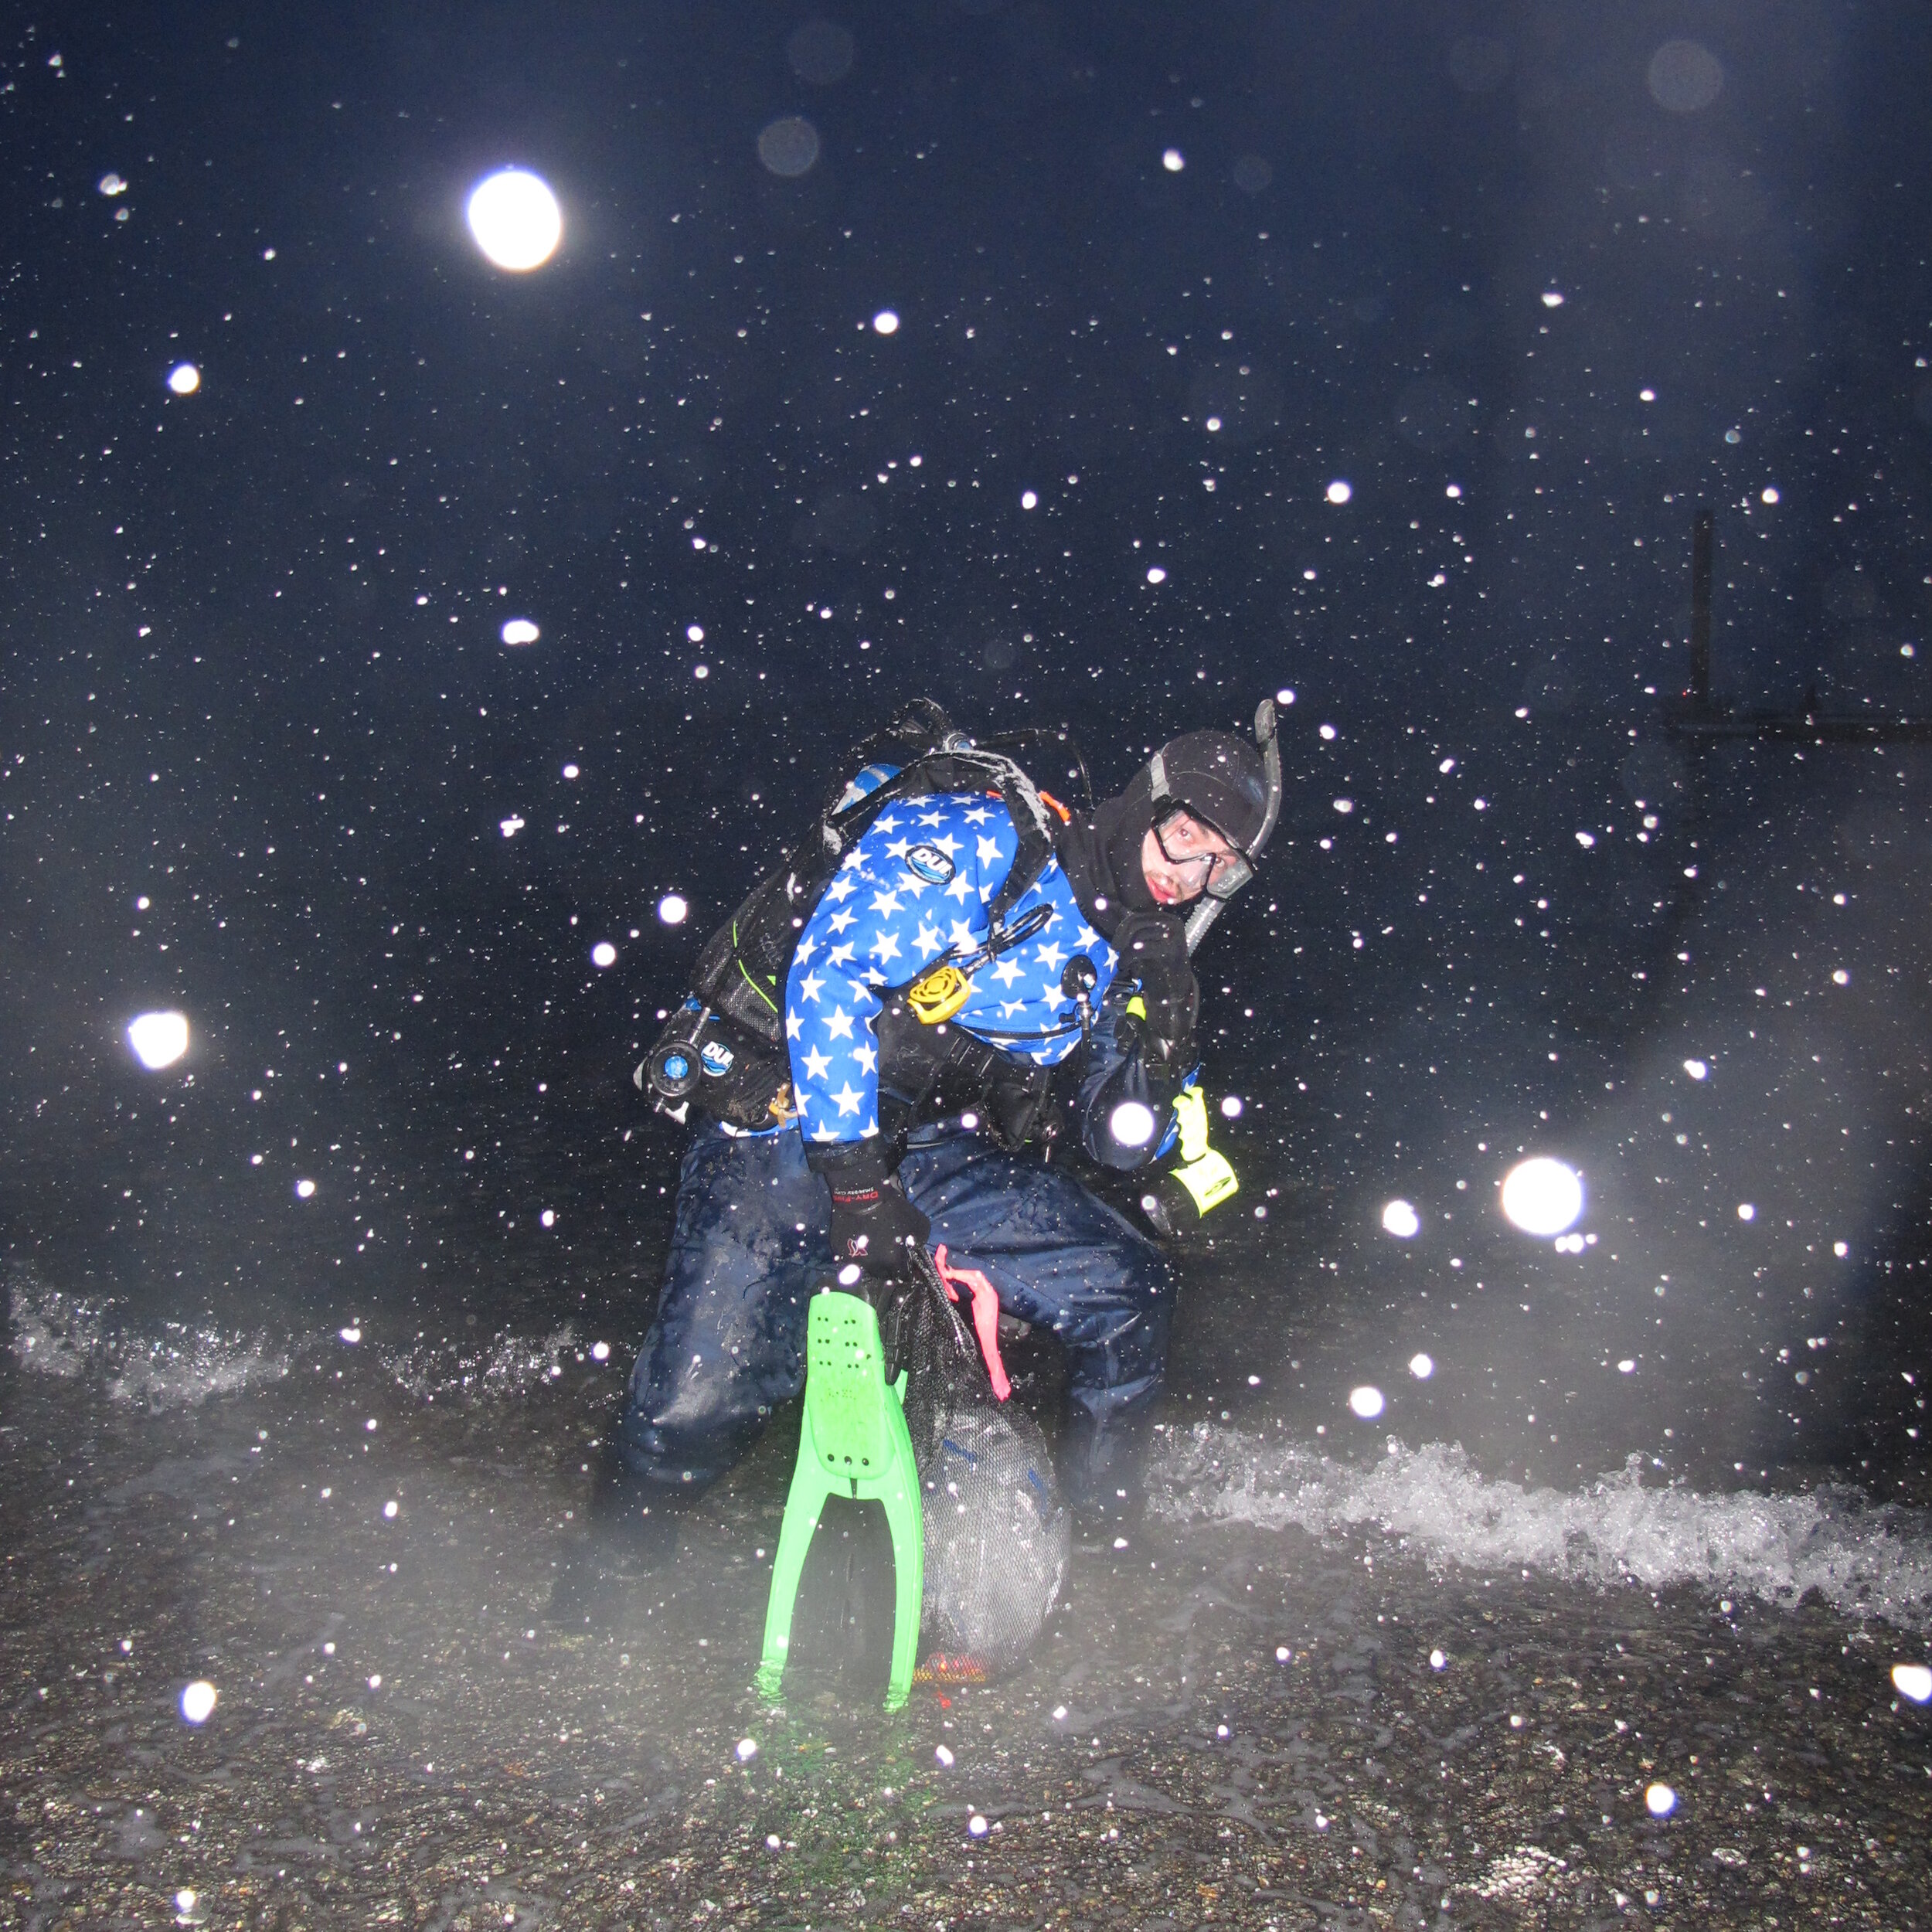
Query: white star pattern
x=1017, y=993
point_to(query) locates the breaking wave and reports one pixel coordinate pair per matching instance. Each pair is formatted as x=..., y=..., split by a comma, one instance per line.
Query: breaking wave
x=74, y=1337
x=178, y=1364
x=1864, y=1560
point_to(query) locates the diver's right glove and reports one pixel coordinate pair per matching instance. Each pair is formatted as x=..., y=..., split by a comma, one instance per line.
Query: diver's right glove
x=1153, y=950
x=874, y=1226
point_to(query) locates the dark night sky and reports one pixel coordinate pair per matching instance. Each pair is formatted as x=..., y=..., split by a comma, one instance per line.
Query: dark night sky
x=252, y=672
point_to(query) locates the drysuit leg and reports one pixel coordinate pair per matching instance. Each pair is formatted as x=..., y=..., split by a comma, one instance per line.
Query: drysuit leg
x=728, y=1343
x=1061, y=1259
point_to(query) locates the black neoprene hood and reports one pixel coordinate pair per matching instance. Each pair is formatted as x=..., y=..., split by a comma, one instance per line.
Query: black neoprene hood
x=1219, y=778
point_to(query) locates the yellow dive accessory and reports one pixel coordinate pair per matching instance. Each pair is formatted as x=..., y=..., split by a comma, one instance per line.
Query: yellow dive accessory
x=936, y=996
x=1205, y=1174
x=946, y=985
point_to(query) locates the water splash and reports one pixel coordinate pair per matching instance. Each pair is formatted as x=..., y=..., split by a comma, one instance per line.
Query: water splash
x=1864, y=1560
x=52, y=1333
x=177, y=1364
x=505, y=1365
x=177, y=1367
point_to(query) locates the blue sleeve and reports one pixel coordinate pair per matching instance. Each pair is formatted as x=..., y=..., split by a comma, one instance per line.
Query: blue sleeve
x=1115, y=1073
x=895, y=904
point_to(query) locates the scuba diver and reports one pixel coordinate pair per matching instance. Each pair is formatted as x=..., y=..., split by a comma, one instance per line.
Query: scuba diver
x=953, y=979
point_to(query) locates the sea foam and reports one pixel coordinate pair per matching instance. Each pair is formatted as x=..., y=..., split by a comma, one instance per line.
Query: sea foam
x=1865, y=1560
x=176, y=1365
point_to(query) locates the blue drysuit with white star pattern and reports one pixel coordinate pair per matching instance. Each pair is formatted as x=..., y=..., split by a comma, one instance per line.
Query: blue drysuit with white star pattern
x=916, y=887
x=751, y=1236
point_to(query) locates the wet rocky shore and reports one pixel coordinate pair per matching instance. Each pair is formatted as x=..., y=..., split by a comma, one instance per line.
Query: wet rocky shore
x=1227, y=1725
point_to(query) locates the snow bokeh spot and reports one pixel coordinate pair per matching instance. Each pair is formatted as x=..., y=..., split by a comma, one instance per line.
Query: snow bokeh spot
x=157, y=1039
x=515, y=219
x=1543, y=1196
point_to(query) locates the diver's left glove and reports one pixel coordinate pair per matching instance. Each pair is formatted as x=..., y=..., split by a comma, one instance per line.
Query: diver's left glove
x=1183, y=1197
x=873, y=1222
x=875, y=1226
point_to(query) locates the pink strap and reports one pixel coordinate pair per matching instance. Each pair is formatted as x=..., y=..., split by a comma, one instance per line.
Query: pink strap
x=985, y=1318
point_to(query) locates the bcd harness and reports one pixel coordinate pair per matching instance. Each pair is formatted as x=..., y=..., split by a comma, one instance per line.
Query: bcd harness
x=724, y=1048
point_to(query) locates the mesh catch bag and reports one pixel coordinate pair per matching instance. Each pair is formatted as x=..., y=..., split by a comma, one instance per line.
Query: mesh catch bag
x=997, y=1537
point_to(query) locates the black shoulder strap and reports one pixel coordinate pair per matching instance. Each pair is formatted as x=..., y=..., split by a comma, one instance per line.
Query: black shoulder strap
x=1031, y=816
x=934, y=757
x=968, y=769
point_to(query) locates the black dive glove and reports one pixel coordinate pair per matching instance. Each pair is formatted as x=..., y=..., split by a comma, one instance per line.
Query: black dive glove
x=874, y=1226
x=873, y=1223
x=1153, y=950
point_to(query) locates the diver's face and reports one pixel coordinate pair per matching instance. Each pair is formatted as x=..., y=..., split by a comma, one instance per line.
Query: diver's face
x=1179, y=856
